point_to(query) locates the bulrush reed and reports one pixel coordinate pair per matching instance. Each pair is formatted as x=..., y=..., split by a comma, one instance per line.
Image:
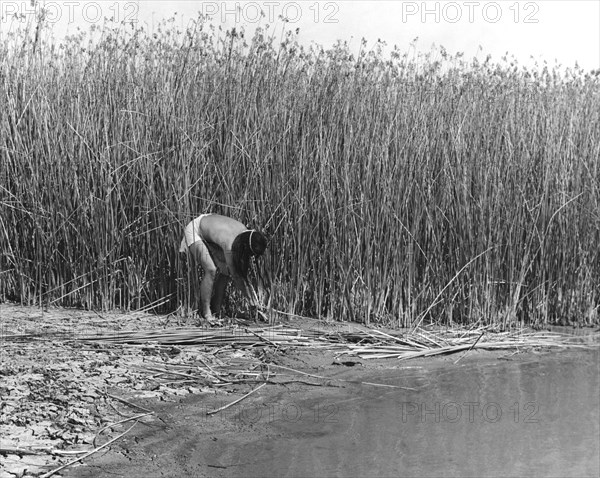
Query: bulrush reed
x=396, y=188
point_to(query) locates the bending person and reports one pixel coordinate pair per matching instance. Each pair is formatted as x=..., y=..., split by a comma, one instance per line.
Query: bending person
x=223, y=247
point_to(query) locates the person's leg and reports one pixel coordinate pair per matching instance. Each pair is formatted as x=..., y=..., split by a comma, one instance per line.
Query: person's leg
x=201, y=256
x=219, y=292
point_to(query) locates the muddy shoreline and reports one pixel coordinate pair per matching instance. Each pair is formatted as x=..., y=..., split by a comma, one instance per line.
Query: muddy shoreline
x=179, y=438
x=313, y=431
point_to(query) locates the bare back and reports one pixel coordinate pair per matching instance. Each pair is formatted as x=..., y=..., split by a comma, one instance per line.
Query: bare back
x=221, y=230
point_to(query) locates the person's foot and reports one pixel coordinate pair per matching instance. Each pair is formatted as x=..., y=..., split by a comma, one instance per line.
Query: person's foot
x=213, y=321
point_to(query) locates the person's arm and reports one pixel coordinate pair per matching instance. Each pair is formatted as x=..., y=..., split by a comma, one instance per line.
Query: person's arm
x=240, y=276
x=243, y=285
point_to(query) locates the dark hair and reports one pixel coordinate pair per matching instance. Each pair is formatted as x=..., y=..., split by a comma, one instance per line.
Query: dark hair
x=246, y=245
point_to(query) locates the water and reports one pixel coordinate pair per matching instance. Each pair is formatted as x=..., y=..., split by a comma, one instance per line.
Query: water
x=538, y=417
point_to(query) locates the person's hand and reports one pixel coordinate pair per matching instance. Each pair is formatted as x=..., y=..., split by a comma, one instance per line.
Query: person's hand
x=213, y=321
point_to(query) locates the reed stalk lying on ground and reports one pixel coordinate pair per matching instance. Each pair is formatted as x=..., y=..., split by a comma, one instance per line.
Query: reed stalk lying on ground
x=363, y=343
x=395, y=188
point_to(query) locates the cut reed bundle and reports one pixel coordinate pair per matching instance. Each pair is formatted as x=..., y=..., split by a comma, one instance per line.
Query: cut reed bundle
x=365, y=344
x=238, y=337
x=427, y=344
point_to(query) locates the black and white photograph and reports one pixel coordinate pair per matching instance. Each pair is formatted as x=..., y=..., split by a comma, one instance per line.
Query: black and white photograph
x=296, y=239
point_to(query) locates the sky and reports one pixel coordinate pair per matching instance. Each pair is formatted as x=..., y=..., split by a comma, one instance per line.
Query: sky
x=563, y=31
